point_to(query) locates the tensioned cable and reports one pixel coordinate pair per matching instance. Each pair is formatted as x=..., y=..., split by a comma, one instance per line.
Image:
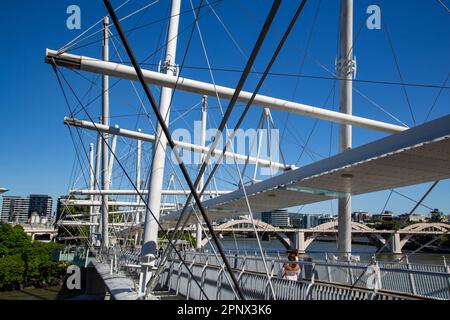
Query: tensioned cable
x=90, y=28
x=387, y=201
x=109, y=36
x=316, y=122
x=400, y=194
x=242, y=117
x=309, y=76
x=437, y=97
x=410, y=213
x=141, y=27
x=151, y=55
x=302, y=63
x=166, y=130
x=76, y=150
x=357, y=91
x=227, y=114
x=397, y=65
x=444, y=5
x=58, y=73
x=146, y=112
x=68, y=47
x=246, y=109
x=242, y=183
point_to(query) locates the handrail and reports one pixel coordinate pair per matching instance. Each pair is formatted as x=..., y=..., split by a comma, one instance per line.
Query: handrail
x=326, y=284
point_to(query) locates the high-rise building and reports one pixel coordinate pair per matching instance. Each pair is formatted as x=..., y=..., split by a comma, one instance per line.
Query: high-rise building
x=277, y=218
x=360, y=216
x=15, y=209
x=312, y=220
x=60, y=206
x=40, y=204
x=298, y=220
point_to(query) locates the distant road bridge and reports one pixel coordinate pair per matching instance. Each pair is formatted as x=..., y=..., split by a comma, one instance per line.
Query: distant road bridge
x=300, y=239
x=33, y=230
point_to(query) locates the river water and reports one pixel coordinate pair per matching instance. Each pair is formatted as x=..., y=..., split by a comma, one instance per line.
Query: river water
x=318, y=249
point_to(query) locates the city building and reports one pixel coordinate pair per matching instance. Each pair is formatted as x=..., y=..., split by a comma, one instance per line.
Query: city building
x=298, y=220
x=277, y=218
x=41, y=204
x=412, y=217
x=360, y=216
x=15, y=209
x=386, y=216
x=60, y=206
x=312, y=220
x=325, y=218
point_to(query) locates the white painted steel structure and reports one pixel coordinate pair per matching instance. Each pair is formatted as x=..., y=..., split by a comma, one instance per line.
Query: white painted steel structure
x=125, y=72
x=105, y=150
x=418, y=155
x=183, y=145
x=134, y=192
x=346, y=68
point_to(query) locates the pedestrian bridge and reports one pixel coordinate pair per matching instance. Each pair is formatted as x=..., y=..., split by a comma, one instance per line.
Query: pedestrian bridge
x=300, y=239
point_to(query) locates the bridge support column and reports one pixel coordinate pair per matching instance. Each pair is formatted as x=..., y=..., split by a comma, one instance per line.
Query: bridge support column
x=298, y=242
x=395, y=243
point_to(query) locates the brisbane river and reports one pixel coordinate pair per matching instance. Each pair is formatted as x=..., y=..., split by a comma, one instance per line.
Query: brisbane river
x=317, y=249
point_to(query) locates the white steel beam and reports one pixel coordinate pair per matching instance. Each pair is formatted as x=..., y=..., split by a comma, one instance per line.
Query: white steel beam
x=134, y=192
x=203, y=88
x=88, y=203
x=183, y=145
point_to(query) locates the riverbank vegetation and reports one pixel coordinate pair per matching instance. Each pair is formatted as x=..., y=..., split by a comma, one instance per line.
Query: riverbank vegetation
x=24, y=263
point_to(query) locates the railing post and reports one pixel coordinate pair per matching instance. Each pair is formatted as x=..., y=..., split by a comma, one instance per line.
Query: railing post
x=111, y=267
x=350, y=272
x=203, y=276
x=328, y=267
x=411, y=277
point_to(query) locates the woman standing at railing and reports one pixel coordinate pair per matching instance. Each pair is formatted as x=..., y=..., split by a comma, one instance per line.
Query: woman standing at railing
x=292, y=271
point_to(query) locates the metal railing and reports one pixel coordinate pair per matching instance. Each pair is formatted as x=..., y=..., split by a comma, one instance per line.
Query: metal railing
x=322, y=279
x=255, y=285
x=429, y=281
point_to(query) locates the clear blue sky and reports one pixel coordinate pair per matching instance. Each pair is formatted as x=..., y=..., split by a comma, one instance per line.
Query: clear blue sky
x=37, y=151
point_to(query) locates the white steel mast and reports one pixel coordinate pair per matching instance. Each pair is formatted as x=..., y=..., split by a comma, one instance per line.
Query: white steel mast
x=105, y=151
x=345, y=70
x=150, y=236
x=198, y=238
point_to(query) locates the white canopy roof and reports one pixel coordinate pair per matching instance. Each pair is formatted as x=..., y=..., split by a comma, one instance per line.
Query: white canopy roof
x=417, y=155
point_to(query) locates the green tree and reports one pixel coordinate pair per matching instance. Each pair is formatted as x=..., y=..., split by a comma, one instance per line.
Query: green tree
x=23, y=262
x=13, y=240
x=12, y=269
x=436, y=216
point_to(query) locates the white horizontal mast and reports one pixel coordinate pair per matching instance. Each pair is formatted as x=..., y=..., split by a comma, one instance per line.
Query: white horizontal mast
x=183, y=145
x=88, y=203
x=134, y=192
x=203, y=88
